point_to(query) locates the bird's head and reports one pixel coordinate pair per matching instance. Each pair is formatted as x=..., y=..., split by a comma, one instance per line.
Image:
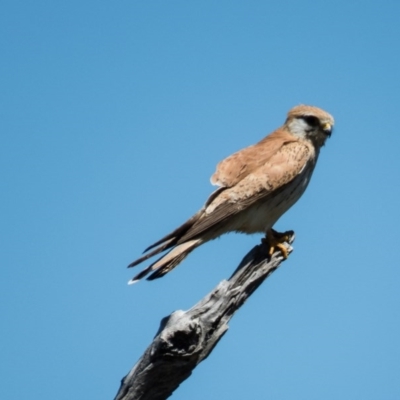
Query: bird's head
x=310, y=123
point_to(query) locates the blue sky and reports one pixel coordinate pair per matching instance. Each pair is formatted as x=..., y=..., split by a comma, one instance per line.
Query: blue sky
x=113, y=116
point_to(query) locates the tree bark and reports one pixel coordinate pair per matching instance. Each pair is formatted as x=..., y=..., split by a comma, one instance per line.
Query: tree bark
x=185, y=338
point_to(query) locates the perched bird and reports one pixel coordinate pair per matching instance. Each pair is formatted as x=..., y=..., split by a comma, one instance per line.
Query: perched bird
x=257, y=185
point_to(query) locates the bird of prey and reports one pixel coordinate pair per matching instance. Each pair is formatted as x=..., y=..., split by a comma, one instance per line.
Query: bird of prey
x=257, y=185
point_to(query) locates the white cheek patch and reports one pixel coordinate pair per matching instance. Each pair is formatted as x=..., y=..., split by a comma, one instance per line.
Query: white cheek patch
x=298, y=127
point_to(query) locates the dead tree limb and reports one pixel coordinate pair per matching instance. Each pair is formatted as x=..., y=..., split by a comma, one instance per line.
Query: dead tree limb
x=185, y=338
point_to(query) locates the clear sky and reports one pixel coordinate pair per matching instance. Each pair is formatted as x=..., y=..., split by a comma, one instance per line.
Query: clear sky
x=113, y=116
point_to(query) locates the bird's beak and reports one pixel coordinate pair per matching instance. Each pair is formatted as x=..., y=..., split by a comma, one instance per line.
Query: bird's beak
x=327, y=128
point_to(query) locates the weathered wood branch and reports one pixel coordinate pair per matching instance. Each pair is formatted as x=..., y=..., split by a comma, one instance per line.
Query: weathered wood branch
x=185, y=338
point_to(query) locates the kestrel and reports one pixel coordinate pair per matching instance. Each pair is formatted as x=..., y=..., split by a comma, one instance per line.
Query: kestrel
x=257, y=185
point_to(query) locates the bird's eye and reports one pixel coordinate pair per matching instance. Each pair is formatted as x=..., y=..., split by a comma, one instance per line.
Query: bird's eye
x=311, y=121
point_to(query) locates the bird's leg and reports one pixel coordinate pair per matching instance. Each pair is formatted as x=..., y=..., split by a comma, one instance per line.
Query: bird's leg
x=275, y=240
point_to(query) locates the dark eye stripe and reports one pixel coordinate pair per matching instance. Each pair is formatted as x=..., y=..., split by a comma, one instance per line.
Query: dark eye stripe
x=311, y=121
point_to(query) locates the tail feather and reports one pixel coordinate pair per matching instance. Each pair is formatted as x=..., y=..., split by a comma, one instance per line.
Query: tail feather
x=161, y=271
x=158, y=250
x=175, y=235
x=167, y=262
x=139, y=276
x=168, y=241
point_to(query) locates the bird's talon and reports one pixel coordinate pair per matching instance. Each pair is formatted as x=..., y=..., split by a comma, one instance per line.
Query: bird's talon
x=283, y=249
x=275, y=240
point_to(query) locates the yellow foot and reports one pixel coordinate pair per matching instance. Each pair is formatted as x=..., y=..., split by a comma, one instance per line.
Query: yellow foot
x=275, y=240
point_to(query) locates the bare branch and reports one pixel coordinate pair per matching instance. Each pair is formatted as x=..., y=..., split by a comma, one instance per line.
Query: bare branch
x=185, y=338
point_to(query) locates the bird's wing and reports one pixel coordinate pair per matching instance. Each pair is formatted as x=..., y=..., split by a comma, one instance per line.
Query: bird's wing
x=281, y=168
x=236, y=167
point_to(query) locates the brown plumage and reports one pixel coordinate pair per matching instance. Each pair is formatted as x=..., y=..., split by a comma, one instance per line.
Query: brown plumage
x=257, y=185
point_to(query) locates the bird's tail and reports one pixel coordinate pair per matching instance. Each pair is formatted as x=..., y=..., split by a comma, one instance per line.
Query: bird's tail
x=167, y=262
x=179, y=249
x=180, y=242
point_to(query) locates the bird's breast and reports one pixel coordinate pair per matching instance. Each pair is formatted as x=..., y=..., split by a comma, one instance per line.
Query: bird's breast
x=264, y=213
